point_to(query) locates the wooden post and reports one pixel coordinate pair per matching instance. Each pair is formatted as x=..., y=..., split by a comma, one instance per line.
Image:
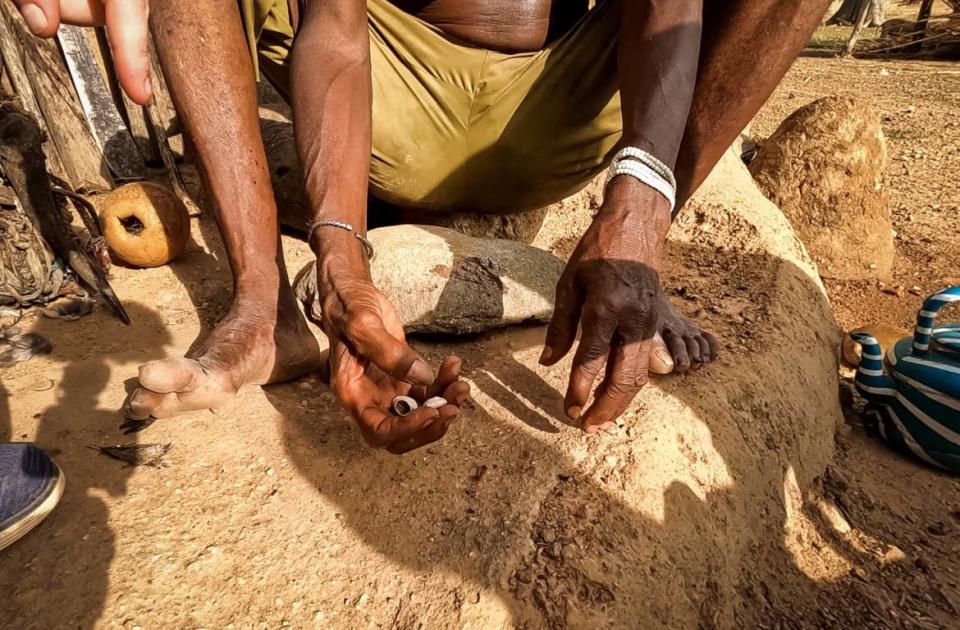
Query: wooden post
x=159, y=119
x=855, y=35
x=134, y=115
x=923, y=18
x=21, y=86
x=84, y=166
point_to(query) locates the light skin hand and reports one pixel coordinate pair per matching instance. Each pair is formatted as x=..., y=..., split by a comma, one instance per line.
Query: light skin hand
x=127, y=32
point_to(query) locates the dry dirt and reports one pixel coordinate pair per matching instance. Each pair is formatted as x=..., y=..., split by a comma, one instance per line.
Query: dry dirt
x=273, y=513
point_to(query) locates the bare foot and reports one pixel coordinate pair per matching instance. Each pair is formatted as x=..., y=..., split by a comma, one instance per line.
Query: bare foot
x=679, y=343
x=248, y=347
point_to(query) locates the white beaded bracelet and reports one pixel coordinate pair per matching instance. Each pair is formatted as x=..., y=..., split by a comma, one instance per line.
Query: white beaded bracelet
x=646, y=175
x=633, y=153
x=646, y=168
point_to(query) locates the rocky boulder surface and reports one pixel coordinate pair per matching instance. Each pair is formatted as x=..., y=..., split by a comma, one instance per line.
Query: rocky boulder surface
x=825, y=168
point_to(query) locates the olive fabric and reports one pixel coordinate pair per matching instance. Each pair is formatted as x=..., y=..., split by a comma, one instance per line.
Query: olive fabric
x=457, y=127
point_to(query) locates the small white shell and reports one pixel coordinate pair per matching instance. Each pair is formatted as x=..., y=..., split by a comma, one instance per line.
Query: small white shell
x=436, y=402
x=403, y=405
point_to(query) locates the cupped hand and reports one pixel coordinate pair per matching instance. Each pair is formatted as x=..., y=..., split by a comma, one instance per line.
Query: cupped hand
x=371, y=364
x=611, y=290
x=127, y=32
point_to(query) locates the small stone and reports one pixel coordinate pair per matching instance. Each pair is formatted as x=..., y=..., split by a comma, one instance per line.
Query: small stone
x=554, y=551
x=922, y=563
x=547, y=535
x=523, y=575
x=268, y=472
x=938, y=528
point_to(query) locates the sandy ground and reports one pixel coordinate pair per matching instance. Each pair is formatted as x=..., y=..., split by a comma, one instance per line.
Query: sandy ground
x=273, y=513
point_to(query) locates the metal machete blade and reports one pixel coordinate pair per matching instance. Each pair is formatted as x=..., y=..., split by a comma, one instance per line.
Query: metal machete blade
x=111, y=134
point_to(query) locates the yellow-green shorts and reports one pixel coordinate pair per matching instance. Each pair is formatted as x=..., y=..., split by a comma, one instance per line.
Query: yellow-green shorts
x=457, y=127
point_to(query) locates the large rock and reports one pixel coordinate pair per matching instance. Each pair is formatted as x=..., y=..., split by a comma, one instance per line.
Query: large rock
x=824, y=166
x=441, y=281
x=700, y=512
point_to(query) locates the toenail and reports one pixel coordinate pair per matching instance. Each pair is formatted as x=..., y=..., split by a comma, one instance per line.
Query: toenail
x=664, y=356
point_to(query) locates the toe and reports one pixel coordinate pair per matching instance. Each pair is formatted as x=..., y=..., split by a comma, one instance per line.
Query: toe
x=171, y=375
x=678, y=350
x=706, y=352
x=660, y=360
x=713, y=343
x=142, y=404
x=693, y=349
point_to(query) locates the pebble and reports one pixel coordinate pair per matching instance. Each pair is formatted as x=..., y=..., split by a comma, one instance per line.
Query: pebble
x=555, y=551
x=937, y=529
x=547, y=535
x=524, y=576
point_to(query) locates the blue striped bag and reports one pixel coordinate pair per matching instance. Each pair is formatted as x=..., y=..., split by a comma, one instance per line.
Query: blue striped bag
x=914, y=392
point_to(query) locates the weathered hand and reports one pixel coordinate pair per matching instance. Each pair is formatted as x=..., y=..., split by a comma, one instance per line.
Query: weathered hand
x=127, y=31
x=611, y=287
x=371, y=363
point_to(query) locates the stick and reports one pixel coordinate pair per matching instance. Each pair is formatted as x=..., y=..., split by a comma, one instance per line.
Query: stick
x=135, y=115
x=156, y=115
x=855, y=35
x=923, y=19
x=24, y=165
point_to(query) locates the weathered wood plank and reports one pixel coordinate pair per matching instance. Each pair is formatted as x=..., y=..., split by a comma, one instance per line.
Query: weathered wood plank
x=84, y=166
x=22, y=88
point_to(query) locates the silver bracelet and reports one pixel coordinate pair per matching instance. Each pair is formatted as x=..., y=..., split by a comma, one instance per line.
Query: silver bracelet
x=343, y=225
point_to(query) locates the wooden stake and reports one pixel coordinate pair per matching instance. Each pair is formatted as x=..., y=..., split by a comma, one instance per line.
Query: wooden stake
x=158, y=117
x=923, y=19
x=23, y=90
x=84, y=166
x=134, y=115
x=855, y=35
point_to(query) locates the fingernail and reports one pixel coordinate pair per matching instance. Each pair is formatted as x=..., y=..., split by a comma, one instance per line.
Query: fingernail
x=34, y=18
x=664, y=357
x=573, y=412
x=420, y=373
x=546, y=355
x=148, y=87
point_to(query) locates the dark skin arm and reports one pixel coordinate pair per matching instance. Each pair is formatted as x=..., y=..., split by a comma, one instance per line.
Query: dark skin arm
x=611, y=284
x=370, y=360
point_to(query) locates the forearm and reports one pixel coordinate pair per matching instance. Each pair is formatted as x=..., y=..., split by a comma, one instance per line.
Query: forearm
x=331, y=98
x=658, y=54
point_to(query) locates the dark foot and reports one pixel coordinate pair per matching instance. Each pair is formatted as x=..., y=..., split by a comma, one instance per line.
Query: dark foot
x=254, y=344
x=680, y=344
